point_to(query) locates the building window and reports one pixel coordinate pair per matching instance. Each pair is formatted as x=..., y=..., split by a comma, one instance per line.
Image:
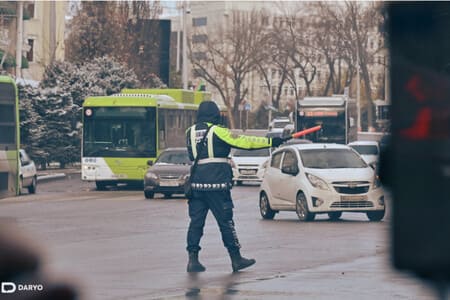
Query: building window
x=30, y=52
x=28, y=11
x=199, y=38
x=198, y=72
x=199, y=55
x=199, y=21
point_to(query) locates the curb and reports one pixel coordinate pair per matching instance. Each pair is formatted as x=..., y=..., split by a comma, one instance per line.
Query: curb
x=54, y=176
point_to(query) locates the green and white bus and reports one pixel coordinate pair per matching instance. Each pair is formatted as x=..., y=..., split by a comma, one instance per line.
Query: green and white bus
x=9, y=138
x=122, y=132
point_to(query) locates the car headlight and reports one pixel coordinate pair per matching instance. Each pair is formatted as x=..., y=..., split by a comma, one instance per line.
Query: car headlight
x=151, y=175
x=317, y=182
x=376, y=182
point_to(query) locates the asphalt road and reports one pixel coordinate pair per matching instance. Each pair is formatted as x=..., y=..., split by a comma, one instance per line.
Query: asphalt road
x=117, y=245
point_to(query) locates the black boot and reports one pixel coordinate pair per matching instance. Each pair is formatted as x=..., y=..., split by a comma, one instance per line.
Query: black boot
x=194, y=265
x=238, y=262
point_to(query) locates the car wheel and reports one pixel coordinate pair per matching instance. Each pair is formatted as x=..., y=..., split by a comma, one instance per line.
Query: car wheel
x=167, y=195
x=264, y=207
x=101, y=186
x=149, y=195
x=21, y=186
x=375, y=215
x=335, y=215
x=238, y=183
x=301, y=208
x=33, y=186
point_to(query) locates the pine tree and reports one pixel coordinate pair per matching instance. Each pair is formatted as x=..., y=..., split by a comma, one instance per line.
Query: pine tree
x=51, y=113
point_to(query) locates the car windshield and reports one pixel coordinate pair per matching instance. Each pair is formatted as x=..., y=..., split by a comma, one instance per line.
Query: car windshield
x=366, y=149
x=280, y=124
x=331, y=159
x=174, y=157
x=252, y=153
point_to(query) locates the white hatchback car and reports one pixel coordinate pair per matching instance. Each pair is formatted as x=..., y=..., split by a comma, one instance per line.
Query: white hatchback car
x=313, y=179
x=248, y=164
x=28, y=174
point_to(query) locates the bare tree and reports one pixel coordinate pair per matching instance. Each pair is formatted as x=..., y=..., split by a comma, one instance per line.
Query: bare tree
x=277, y=60
x=226, y=60
x=350, y=25
x=121, y=29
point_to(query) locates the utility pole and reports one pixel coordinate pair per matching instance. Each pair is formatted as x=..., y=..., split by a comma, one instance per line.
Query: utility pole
x=52, y=31
x=19, y=41
x=184, y=71
x=180, y=20
x=387, y=80
x=358, y=91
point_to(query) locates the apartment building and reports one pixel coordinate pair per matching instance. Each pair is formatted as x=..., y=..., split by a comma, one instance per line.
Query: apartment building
x=42, y=33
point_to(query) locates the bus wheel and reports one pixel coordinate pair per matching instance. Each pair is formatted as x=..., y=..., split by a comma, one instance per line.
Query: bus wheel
x=167, y=195
x=32, y=187
x=149, y=195
x=101, y=186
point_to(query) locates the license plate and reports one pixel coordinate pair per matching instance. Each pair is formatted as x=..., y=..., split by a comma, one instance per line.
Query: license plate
x=168, y=183
x=248, y=172
x=354, y=198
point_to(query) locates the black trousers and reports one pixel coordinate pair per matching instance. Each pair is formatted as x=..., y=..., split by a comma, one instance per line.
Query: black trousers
x=221, y=205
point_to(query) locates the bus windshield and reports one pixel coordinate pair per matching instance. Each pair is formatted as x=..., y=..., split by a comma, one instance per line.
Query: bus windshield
x=333, y=128
x=119, y=132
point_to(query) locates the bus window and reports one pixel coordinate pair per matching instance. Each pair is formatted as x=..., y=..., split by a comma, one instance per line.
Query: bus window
x=9, y=138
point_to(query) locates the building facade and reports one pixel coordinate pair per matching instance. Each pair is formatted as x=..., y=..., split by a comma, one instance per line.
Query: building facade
x=41, y=31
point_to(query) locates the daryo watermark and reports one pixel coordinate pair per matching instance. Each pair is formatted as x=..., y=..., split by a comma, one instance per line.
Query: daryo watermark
x=11, y=287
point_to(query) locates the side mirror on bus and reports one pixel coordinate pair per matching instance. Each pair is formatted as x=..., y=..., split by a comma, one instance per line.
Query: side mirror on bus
x=150, y=163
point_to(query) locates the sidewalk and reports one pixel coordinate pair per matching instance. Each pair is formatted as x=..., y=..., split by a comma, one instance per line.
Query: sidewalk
x=53, y=174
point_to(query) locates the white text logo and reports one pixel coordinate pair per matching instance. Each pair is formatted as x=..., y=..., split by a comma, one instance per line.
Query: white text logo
x=11, y=287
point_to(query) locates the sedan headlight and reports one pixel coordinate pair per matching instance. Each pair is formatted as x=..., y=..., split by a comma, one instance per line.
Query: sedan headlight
x=151, y=175
x=317, y=182
x=376, y=182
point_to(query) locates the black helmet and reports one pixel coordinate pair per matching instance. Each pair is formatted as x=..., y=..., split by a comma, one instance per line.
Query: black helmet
x=208, y=112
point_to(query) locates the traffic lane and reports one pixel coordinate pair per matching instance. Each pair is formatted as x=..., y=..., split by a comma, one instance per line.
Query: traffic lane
x=121, y=245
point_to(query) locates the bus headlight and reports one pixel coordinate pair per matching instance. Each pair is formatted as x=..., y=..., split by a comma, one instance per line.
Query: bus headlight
x=317, y=182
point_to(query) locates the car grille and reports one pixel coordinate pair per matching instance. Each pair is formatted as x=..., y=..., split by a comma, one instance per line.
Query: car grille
x=351, y=204
x=247, y=166
x=169, y=177
x=351, y=187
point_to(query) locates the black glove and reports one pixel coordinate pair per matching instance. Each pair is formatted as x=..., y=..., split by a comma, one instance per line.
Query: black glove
x=277, y=141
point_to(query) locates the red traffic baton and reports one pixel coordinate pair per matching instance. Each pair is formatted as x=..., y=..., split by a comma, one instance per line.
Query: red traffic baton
x=306, y=131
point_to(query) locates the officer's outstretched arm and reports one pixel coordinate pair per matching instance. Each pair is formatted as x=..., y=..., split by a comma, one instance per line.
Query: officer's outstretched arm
x=242, y=141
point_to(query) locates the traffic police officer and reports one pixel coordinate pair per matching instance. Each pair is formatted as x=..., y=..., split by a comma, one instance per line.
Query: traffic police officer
x=212, y=181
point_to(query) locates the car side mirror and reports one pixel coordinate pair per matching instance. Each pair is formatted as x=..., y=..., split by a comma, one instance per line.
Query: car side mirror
x=150, y=163
x=291, y=170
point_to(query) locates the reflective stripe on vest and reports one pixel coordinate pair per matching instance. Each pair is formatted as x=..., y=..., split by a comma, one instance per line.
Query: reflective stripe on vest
x=208, y=140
